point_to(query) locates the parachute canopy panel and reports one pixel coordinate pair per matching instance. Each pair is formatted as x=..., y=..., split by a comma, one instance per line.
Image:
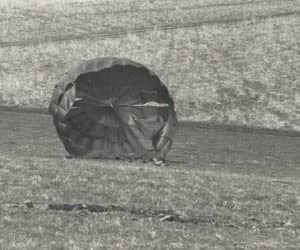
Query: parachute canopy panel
x=113, y=108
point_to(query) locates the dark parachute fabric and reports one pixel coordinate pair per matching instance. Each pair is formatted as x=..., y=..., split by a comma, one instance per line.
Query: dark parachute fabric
x=113, y=108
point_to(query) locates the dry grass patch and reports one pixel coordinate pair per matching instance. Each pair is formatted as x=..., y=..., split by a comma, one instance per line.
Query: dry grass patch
x=242, y=73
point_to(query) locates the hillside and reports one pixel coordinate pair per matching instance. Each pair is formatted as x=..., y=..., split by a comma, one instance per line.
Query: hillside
x=226, y=62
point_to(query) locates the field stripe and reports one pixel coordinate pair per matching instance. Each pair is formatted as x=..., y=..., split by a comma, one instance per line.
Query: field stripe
x=192, y=7
x=183, y=123
x=232, y=220
x=139, y=30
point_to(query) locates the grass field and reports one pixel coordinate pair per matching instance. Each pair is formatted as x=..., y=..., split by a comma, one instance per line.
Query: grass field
x=223, y=189
x=228, y=62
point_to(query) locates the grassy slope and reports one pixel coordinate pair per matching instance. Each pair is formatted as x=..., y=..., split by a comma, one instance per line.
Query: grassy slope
x=237, y=190
x=243, y=73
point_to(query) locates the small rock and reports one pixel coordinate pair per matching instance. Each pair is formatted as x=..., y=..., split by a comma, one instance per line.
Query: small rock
x=168, y=217
x=158, y=162
x=219, y=236
x=29, y=204
x=289, y=223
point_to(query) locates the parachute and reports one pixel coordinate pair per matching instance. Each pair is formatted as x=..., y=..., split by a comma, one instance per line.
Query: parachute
x=113, y=108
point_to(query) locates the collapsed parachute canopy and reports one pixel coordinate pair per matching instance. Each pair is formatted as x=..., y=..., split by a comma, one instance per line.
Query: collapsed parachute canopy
x=113, y=108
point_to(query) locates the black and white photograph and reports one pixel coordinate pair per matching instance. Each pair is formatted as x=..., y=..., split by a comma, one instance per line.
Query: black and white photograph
x=149, y=124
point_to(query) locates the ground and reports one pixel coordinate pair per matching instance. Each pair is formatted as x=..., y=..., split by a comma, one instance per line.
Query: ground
x=222, y=188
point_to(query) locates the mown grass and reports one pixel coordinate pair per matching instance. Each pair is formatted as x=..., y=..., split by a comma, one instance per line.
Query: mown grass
x=238, y=211
x=242, y=73
x=225, y=198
